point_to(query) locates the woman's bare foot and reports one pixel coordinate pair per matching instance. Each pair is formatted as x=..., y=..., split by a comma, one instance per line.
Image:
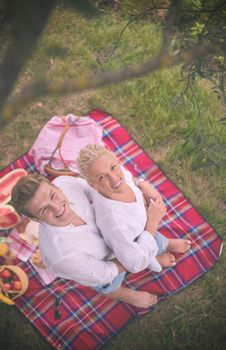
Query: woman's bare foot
x=166, y=260
x=178, y=245
x=133, y=297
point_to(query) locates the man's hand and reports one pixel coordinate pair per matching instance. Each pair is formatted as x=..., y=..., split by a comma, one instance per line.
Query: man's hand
x=119, y=265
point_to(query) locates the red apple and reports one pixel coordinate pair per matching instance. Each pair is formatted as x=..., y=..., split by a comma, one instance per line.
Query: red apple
x=7, y=286
x=5, y=274
x=16, y=285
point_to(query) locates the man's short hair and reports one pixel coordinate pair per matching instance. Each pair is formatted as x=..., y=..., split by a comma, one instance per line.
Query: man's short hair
x=88, y=155
x=24, y=191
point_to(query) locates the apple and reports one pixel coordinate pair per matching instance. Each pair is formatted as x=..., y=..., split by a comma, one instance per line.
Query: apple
x=5, y=274
x=16, y=285
x=7, y=286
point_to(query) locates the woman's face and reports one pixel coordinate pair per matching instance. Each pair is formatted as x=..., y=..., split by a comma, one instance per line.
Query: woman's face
x=106, y=176
x=50, y=205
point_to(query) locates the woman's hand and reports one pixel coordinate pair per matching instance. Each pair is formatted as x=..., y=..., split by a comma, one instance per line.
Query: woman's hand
x=149, y=192
x=155, y=212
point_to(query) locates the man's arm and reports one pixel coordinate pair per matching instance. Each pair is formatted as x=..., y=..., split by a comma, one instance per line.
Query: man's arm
x=87, y=270
x=119, y=265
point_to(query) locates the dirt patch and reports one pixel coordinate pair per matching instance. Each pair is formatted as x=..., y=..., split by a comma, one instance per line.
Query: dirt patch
x=159, y=153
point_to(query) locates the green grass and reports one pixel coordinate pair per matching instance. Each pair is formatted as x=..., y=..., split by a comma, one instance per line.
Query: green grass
x=161, y=120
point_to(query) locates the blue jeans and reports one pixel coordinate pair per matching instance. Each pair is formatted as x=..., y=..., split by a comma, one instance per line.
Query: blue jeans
x=111, y=287
x=162, y=243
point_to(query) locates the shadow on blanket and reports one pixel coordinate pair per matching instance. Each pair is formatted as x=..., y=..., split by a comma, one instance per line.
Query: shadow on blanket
x=88, y=319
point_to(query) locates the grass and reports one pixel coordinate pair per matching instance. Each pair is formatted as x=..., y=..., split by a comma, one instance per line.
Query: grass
x=167, y=125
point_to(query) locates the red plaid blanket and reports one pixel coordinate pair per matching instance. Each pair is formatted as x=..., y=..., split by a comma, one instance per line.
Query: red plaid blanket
x=88, y=319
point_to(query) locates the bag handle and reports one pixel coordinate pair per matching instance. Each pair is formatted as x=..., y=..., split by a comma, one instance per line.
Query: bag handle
x=48, y=167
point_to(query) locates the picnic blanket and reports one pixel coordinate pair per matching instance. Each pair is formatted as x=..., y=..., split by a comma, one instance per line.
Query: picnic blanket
x=89, y=319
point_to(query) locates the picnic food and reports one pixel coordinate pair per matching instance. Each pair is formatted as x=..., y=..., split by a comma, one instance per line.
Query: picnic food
x=37, y=260
x=5, y=299
x=5, y=274
x=7, y=182
x=29, y=231
x=16, y=285
x=4, y=248
x=13, y=283
x=8, y=217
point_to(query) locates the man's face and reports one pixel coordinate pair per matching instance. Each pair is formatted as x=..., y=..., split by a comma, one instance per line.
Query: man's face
x=106, y=176
x=50, y=205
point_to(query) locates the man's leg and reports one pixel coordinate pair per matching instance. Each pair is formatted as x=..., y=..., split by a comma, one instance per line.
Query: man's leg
x=127, y=295
x=133, y=297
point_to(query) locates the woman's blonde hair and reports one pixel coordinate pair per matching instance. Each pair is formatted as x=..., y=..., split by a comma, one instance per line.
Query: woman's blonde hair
x=24, y=191
x=88, y=155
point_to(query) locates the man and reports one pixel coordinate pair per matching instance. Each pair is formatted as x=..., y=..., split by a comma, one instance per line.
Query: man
x=70, y=243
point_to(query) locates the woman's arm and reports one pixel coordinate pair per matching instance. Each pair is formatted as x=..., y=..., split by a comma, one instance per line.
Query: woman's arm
x=155, y=212
x=149, y=192
x=133, y=255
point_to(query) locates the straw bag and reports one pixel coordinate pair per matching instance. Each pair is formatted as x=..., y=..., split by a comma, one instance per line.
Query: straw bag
x=57, y=146
x=9, y=294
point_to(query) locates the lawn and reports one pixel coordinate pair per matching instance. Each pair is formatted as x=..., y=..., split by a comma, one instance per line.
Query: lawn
x=188, y=146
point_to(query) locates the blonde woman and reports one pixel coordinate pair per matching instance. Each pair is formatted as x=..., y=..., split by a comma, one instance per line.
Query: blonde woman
x=126, y=224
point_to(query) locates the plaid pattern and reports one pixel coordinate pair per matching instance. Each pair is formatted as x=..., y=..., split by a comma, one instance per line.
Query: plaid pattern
x=88, y=319
x=19, y=247
x=24, y=251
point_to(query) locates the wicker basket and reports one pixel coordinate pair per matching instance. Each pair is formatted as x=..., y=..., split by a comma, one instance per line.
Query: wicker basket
x=22, y=277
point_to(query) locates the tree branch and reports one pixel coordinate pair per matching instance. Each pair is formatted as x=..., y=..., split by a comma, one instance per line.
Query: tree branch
x=139, y=15
x=41, y=88
x=27, y=19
